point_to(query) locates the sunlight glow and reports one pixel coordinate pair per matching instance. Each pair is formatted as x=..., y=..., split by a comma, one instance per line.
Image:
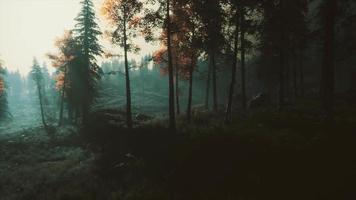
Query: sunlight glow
x=28, y=28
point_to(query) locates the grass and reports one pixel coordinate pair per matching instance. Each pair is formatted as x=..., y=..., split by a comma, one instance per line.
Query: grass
x=262, y=154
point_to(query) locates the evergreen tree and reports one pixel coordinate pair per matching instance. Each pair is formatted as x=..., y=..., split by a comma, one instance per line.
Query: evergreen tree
x=87, y=32
x=37, y=76
x=4, y=109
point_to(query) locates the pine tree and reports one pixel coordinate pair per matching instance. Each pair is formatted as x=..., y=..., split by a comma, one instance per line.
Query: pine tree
x=37, y=76
x=4, y=109
x=87, y=32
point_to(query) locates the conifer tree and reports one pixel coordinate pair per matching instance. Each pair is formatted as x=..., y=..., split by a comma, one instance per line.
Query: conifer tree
x=37, y=76
x=87, y=33
x=4, y=109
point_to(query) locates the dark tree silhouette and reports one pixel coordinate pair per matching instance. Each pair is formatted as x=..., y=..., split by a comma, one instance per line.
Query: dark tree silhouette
x=37, y=76
x=4, y=109
x=86, y=33
x=122, y=15
x=329, y=9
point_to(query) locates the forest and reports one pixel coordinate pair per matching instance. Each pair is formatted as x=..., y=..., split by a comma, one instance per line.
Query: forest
x=236, y=100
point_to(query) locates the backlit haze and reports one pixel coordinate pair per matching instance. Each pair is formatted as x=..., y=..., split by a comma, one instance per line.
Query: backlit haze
x=28, y=29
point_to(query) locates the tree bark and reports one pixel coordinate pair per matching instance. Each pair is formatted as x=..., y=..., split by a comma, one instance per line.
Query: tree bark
x=62, y=98
x=243, y=52
x=207, y=94
x=281, y=57
x=215, y=95
x=191, y=71
x=41, y=105
x=328, y=69
x=172, y=121
x=233, y=73
x=301, y=73
x=127, y=77
x=295, y=81
x=177, y=86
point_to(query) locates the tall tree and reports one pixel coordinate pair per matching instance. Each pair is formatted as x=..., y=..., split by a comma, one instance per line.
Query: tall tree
x=4, y=109
x=236, y=21
x=67, y=62
x=328, y=12
x=87, y=32
x=123, y=15
x=158, y=16
x=212, y=18
x=37, y=76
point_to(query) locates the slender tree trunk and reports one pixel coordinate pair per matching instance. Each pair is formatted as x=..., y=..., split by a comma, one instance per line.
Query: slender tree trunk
x=190, y=93
x=215, y=95
x=295, y=81
x=281, y=57
x=207, y=94
x=62, y=98
x=70, y=113
x=233, y=73
x=191, y=71
x=243, y=52
x=172, y=120
x=301, y=73
x=177, y=86
x=128, y=87
x=76, y=116
x=328, y=71
x=41, y=105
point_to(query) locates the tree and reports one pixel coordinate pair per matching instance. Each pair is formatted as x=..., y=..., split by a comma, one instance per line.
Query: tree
x=328, y=12
x=123, y=15
x=283, y=33
x=236, y=22
x=86, y=33
x=189, y=26
x=185, y=47
x=160, y=17
x=37, y=76
x=4, y=109
x=211, y=15
x=68, y=62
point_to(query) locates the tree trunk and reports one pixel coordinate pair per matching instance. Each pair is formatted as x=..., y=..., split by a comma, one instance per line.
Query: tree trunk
x=215, y=95
x=295, y=82
x=301, y=73
x=191, y=71
x=127, y=77
x=177, y=86
x=281, y=57
x=233, y=73
x=172, y=121
x=243, y=52
x=207, y=94
x=41, y=105
x=62, y=98
x=328, y=70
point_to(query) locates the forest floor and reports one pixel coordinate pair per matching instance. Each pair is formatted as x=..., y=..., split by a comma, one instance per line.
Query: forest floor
x=262, y=154
x=36, y=166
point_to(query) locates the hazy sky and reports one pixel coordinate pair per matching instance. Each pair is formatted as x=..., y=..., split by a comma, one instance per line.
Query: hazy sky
x=28, y=29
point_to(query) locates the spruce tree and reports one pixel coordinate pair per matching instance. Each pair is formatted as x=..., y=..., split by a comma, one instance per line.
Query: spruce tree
x=4, y=109
x=87, y=33
x=37, y=76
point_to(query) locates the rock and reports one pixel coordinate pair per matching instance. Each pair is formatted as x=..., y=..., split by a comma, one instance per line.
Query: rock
x=260, y=100
x=143, y=117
